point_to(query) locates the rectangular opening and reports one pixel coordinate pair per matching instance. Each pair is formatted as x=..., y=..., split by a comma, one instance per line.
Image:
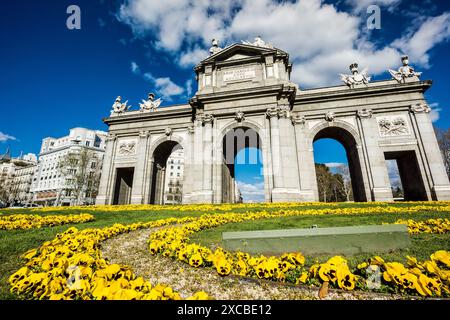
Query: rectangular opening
x=409, y=175
x=123, y=185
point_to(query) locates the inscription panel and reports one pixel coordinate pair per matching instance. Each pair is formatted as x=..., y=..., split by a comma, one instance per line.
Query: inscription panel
x=239, y=74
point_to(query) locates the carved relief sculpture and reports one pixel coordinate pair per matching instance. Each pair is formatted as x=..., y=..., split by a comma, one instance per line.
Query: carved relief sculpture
x=329, y=116
x=168, y=132
x=127, y=148
x=150, y=104
x=392, y=126
x=355, y=78
x=239, y=116
x=404, y=72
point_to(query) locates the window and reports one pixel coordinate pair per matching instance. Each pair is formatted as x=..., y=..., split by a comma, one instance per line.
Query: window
x=88, y=143
x=171, y=174
x=178, y=167
x=178, y=174
x=93, y=165
x=171, y=167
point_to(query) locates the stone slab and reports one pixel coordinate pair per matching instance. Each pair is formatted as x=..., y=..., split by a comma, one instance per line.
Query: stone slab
x=314, y=241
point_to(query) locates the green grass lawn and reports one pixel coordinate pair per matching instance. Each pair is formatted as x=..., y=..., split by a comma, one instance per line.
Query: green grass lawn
x=15, y=242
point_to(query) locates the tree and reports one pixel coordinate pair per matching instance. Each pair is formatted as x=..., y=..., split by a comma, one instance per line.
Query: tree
x=344, y=182
x=443, y=138
x=81, y=170
x=335, y=187
x=323, y=176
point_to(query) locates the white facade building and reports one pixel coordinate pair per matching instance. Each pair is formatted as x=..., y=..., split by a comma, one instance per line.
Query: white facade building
x=16, y=176
x=173, y=188
x=49, y=186
x=22, y=180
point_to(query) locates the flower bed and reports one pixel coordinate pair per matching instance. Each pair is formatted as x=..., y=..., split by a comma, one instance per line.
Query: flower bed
x=28, y=221
x=71, y=267
x=439, y=226
x=430, y=278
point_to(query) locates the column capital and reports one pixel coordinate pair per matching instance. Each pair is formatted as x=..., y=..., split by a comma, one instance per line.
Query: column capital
x=144, y=134
x=297, y=119
x=284, y=112
x=272, y=112
x=364, y=113
x=191, y=128
x=208, y=118
x=111, y=137
x=420, y=108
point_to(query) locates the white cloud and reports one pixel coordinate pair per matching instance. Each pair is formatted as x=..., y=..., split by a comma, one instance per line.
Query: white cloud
x=431, y=32
x=134, y=67
x=252, y=192
x=321, y=40
x=335, y=164
x=362, y=5
x=164, y=86
x=192, y=57
x=189, y=88
x=5, y=137
x=434, y=114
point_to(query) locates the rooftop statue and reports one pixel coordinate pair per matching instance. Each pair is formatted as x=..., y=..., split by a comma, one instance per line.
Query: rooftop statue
x=119, y=107
x=215, y=47
x=258, y=43
x=355, y=77
x=150, y=104
x=404, y=72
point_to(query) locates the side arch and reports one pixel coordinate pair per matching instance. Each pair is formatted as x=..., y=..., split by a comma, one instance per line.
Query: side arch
x=345, y=134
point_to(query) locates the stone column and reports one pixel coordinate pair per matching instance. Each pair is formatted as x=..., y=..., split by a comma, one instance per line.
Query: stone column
x=207, y=158
x=197, y=165
x=188, y=165
x=137, y=191
x=440, y=187
x=289, y=160
x=272, y=114
x=106, y=182
x=378, y=173
x=305, y=161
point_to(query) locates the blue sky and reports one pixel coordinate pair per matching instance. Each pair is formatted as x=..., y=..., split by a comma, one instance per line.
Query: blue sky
x=53, y=78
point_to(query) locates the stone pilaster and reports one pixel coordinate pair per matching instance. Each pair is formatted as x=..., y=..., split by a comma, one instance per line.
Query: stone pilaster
x=188, y=165
x=440, y=187
x=305, y=160
x=380, y=185
x=137, y=191
x=207, y=157
x=272, y=114
x=106, y=183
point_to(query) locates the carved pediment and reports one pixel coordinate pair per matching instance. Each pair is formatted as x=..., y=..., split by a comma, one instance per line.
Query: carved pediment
x=241, y=51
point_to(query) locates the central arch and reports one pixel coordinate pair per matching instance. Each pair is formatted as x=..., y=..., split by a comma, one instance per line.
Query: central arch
x=345, y=137
x=161, y=181
x=240, y=138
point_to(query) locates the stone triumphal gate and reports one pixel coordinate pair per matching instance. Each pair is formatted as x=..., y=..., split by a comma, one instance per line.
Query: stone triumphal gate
x=245, y=99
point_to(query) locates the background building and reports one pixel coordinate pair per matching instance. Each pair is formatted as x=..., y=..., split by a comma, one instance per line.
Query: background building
x=50, y=186
x=173, y=189
x=15, y=177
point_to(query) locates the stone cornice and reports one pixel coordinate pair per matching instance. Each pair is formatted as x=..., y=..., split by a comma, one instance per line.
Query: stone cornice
x=339, y=93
